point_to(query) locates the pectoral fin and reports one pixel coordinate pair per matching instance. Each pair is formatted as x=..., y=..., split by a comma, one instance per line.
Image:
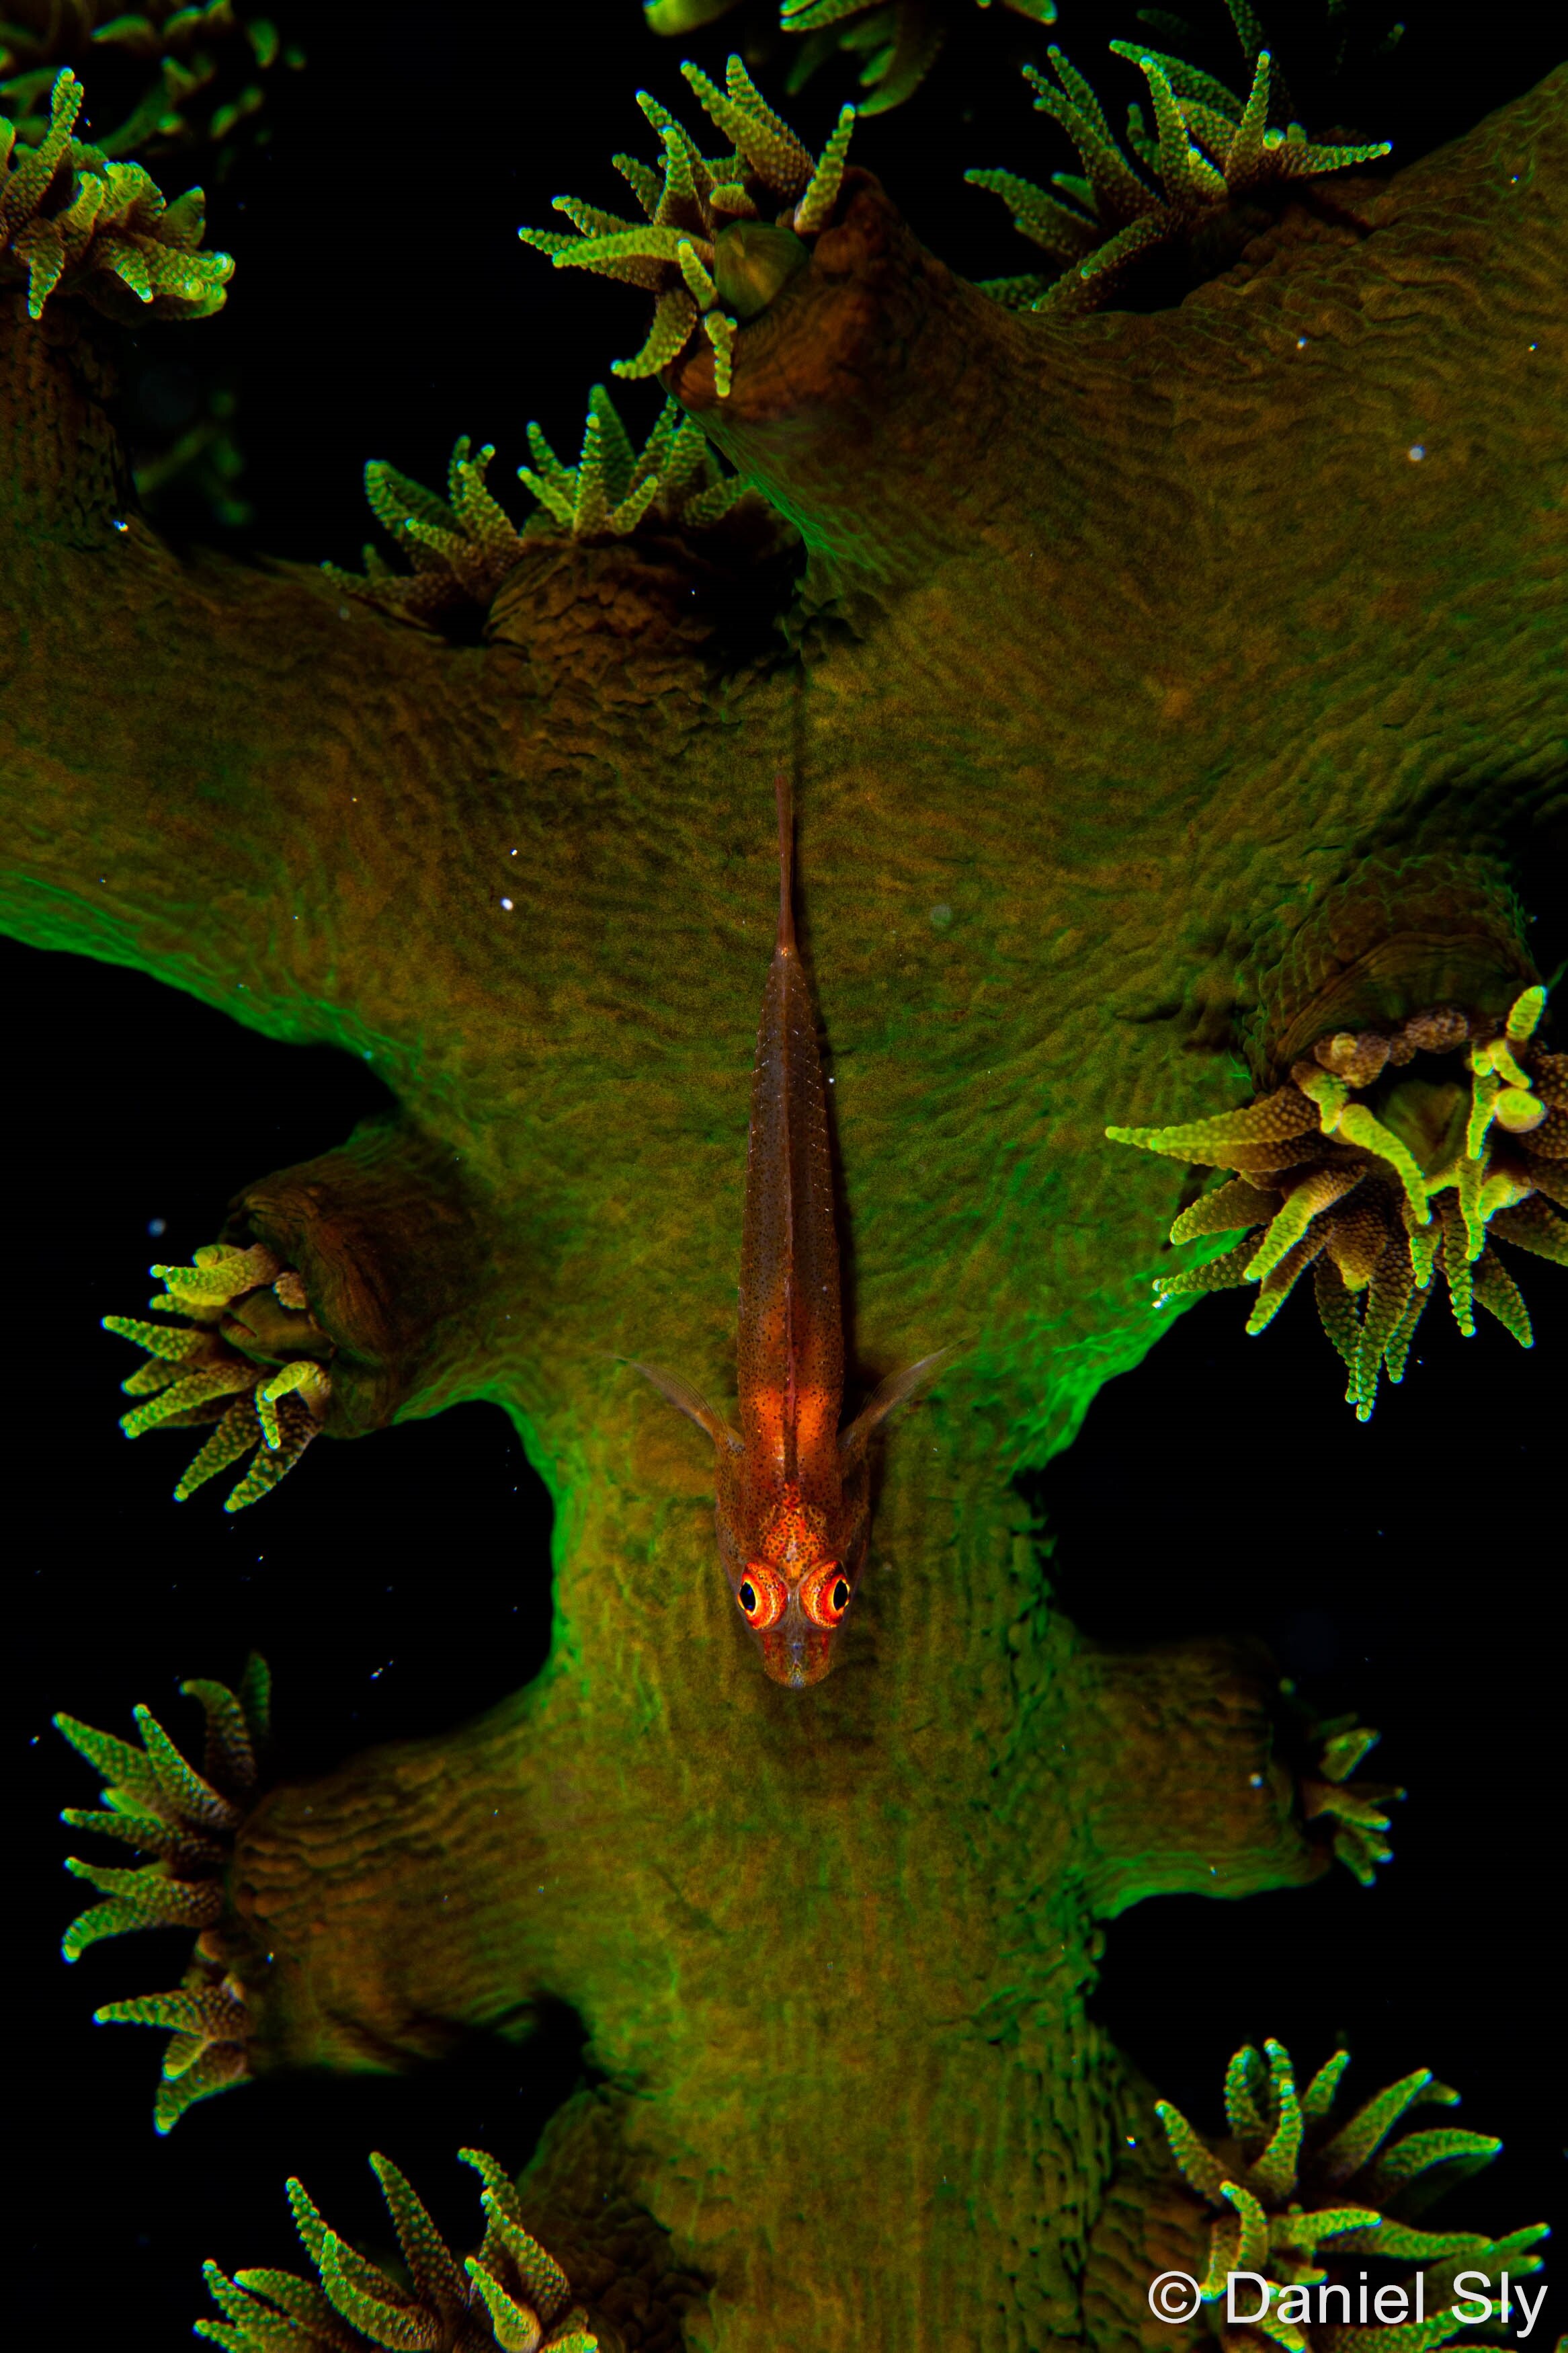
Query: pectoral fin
x=895, y=1391
x=692, y=1403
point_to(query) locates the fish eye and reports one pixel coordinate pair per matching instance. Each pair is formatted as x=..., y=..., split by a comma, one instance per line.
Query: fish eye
x=761, y=1596
x=825, y=1594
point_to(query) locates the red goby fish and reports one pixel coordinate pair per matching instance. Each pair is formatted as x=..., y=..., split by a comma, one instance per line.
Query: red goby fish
x=792, y=1504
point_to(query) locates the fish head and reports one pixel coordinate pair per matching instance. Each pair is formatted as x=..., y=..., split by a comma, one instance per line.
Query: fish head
x=794, y=1590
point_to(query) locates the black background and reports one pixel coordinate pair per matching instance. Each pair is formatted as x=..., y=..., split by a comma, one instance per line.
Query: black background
x=1410, y=1570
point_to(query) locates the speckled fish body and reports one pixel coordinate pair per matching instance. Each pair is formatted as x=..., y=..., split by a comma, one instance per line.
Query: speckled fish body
x=786, y=1540
x=791, y=1506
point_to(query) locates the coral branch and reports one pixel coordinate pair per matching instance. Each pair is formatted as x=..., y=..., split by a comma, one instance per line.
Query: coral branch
x=159, y=1804
x=1092, y=693
x=1185, y=1785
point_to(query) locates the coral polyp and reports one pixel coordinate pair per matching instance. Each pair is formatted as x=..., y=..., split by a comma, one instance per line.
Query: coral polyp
x=250, y=1358
x=1354, y=1814
x=1391, y=1156
x=1210, y=152
x=1294, y=2191
x=511, y=2294
x=462, y=550
x=158, y=1803
x=708, y=251
x=73, y=222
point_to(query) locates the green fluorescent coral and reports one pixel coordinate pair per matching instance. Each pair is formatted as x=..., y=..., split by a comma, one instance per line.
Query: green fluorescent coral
x=72, y=222
x=895, y=42
x=1121, y=747
x=898, y=44
x=1355, y=1813
x=1295, y=2190
x=191, y=74
x=160, y=1805
x=1388, y=1159
x=698, y=208
x=461, y=551
x=1208, y=151
x=509, y=2294
x=250, y=1358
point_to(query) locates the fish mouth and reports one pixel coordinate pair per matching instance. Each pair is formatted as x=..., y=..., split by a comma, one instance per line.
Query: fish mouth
x=796, y=1659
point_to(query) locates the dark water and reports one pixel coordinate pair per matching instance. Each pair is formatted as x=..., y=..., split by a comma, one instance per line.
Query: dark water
x=1417, y=1581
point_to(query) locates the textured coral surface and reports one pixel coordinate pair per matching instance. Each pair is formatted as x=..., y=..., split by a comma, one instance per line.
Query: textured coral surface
x=1134, y=634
